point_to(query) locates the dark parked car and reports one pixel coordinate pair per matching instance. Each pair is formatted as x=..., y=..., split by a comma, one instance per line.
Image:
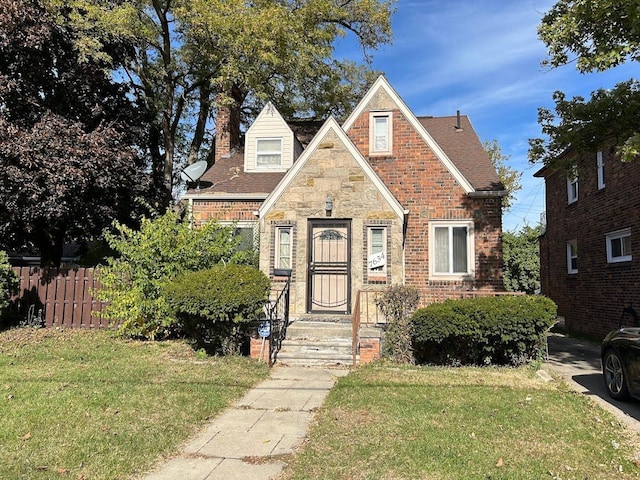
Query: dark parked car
x=621, y=359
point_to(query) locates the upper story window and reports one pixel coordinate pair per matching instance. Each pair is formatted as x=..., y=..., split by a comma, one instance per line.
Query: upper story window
x=572, y=185
x=600, y=164
x=269, y=152
x=619, y=246
x=380, y=133
x=572, y=256
x=451, y=249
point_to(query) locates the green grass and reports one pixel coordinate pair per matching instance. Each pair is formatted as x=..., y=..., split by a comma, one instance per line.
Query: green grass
x=437, y=423
x=83, y=405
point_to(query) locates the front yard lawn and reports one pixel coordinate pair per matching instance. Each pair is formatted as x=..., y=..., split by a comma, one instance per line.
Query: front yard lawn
x=465, y=423
x=81, y=404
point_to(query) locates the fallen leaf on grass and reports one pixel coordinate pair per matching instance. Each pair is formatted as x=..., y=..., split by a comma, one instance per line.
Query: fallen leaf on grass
x=26, y=436
x=500, y=463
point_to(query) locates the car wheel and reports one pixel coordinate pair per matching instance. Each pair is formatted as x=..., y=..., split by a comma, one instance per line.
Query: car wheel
x=614, y=377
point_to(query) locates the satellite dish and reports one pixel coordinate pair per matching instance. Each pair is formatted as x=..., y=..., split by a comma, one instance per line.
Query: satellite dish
x=193, y=172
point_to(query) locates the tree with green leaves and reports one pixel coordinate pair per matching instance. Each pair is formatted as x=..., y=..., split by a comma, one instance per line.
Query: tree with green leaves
x=147, y=259
x=521, y=256
x=509, y=177
x=193, y=57
x=596, y=36
x=70, y=142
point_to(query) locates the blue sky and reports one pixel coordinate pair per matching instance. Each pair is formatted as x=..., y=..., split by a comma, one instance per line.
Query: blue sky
x=482, y=57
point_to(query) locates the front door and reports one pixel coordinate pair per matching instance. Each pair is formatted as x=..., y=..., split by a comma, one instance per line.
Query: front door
x=329, y=282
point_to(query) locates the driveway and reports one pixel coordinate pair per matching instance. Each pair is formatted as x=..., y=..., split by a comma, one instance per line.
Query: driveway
x=578, y=362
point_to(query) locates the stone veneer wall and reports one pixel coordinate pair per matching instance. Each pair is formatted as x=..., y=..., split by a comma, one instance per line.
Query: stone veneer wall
x=331, y=170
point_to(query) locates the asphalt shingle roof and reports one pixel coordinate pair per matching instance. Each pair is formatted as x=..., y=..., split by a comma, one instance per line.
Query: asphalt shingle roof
x=461, y=145
x=464, y=149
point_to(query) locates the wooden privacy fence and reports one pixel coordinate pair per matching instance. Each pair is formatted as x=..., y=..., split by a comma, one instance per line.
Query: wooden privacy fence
x=58, y=297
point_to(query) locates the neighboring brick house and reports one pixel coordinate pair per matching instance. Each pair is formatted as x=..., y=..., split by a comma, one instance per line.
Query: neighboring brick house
x=587, y=261
x=385, y=198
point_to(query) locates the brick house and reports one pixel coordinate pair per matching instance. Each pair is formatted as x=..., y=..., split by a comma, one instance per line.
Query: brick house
x=385, y=198
x=587, y=264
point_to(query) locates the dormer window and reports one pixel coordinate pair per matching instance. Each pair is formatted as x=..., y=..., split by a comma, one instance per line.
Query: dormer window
x=380, y=133
x=269, y=152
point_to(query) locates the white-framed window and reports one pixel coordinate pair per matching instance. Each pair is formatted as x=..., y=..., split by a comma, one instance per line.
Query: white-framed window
x=600, y=165
x=572, y=256
x=380, y=133
x=377, y=251
x=572, y=185
x=451, y=249
x=619, y=246
x=284, y=244
x=268, y=152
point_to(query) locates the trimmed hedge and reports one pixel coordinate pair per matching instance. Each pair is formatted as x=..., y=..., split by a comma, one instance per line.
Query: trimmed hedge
x=215, y=306
x=503, y=330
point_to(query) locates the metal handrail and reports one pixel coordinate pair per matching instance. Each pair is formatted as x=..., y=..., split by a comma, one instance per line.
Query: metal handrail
x=278, y=313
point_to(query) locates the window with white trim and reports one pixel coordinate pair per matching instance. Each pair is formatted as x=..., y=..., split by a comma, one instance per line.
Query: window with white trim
x=572, y=185
x=268, y=152
x=572, y=256
x=380, y=133
x=284, y=242
x=451, y=249
x=619, y=246
x=600, y=164
x=377, y=251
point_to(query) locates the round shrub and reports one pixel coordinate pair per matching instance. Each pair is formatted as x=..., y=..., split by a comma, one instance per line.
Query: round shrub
x=504, y=330
x=215, y=306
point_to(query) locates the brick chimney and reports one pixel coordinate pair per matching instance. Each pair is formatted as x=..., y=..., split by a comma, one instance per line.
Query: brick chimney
x=227, y=128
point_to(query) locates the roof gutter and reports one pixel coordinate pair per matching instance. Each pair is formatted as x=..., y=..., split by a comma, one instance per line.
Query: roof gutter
x=225, y=196
x=488, y=193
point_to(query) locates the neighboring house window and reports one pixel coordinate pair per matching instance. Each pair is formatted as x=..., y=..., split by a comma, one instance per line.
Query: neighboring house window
x=380, y=134
x=600, y=163
x=572, y=256
x=572, y=185
x=619, y=246
x=451, y=248
x=268, y=152
x=377, y=251
x=283, y=247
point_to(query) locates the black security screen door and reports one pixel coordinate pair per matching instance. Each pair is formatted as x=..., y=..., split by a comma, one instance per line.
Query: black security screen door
x=329, y=266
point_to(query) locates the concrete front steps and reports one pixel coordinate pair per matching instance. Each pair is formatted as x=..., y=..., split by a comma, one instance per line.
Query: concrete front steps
x=312, y=342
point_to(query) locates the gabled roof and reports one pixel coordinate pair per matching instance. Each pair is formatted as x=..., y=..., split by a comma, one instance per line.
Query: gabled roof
x=227, y=179
x=460, y=161
x=332, y=125
x=463, y=147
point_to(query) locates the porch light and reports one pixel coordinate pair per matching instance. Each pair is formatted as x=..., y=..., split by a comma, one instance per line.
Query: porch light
x=328, y=205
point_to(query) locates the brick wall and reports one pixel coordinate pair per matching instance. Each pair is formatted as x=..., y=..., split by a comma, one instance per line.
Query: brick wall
x=424, y=186
x=592, y=299
x=209, y=210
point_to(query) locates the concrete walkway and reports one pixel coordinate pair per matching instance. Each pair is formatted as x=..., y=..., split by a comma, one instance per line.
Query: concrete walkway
x=245, y=441
x=578, y=362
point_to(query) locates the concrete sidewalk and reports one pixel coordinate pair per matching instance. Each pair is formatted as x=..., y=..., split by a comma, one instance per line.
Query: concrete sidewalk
x=244, y=442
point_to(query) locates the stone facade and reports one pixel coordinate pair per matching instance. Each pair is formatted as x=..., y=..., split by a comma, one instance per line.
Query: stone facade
x=591, y=300
x=331, y=170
